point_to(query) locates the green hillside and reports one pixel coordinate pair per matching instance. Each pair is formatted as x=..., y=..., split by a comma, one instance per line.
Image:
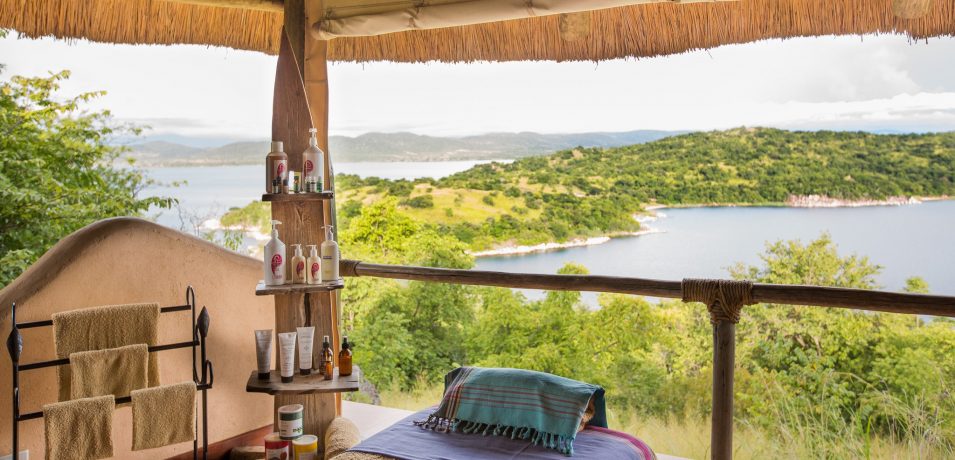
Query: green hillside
x=739, y=166
x=595, y=191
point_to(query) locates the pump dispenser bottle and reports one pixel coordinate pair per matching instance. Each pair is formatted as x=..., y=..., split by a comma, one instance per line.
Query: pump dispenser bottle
x=313, y=266
x=312, y=164
x=275, y=258
x=330, y=257
x=298, y=266
x=276, y=168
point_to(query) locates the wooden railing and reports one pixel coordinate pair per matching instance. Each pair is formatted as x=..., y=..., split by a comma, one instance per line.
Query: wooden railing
x=724, y=331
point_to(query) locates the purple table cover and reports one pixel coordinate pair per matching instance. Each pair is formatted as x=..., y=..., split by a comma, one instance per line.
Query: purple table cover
x=405, y=441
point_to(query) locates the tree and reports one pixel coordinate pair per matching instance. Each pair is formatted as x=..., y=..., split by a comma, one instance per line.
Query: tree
x=411, y=330
x=917, y=285
x=58, y=171
x=817, y=263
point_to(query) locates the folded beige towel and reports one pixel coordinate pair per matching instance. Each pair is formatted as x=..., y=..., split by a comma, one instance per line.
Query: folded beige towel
x=113, y=371
x=80, y=429
x=164, y=415
x=341, y=435
x=105, y=327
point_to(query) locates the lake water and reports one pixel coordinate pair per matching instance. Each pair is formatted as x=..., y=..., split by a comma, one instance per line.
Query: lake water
x=912, y=240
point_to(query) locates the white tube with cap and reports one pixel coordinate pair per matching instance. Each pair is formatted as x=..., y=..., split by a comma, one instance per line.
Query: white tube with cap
x=287, y=356
x=305, y=336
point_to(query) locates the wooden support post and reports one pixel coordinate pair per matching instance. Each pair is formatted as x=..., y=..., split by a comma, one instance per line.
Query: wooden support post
x=303, y=221
x=724, y=364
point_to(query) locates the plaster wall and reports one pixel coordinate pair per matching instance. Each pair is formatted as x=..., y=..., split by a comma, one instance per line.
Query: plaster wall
x=127, y=260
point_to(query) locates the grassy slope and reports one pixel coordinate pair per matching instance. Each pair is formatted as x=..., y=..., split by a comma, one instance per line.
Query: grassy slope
x=466, y=205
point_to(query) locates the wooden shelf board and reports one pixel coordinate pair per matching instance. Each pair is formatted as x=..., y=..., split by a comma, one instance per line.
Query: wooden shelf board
x=298, y=196
x=304, y=384
x=262, y=289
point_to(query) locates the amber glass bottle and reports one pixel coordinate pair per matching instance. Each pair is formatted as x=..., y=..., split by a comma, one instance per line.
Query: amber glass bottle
x=344, y=358
x=328, y=364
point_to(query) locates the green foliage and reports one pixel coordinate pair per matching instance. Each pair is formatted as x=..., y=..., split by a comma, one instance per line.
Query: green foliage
x=916, y=285
x=57, y=171
x=823, y=382
x=257, y=215
x=817, y=263
x=420, y=202
x=409, y=331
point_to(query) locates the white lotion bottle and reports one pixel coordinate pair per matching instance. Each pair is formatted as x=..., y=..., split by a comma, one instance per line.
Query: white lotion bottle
x=312, y=164
x=275, y=258
x=330, y=257
x=298, y=266
x=314, y=264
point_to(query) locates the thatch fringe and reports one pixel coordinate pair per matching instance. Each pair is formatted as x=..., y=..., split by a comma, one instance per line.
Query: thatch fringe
x=144, y=22
x=634, y=31
x=647, y=30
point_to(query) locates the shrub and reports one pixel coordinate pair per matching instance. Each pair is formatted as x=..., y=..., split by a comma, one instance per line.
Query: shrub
x=420, y=202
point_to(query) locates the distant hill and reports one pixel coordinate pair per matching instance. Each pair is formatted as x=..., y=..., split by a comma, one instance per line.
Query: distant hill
x=400, y=146
x=736, y=166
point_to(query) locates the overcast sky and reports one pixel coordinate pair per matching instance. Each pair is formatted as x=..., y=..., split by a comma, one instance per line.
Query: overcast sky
x=884, y=83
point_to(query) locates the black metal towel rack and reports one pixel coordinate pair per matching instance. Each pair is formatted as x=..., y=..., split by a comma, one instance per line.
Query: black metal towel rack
x=203, y=377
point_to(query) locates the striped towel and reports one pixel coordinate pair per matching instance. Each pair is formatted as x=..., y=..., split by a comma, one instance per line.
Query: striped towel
x=520, y=404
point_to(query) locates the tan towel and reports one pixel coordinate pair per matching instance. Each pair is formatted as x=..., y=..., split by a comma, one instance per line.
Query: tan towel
x=105, y=327
x=341, y=435
x=113, y=371
x=164, y=415
x=80, y=429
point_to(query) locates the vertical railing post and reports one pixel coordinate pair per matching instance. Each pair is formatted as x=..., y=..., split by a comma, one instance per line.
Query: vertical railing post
x=724, y=300
x=724, y=364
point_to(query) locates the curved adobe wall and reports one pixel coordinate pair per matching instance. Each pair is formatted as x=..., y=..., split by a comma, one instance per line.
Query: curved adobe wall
x=126, y=260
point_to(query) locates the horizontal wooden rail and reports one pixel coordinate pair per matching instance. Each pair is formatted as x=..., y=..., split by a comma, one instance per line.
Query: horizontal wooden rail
x=856, y=299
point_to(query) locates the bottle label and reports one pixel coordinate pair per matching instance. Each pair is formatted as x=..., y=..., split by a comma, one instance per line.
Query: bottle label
x=291, y=429
x=277, y=452
x=281, y=169
x=277, y=263
x=315, y=269
x=309, y=167
x=300, y=269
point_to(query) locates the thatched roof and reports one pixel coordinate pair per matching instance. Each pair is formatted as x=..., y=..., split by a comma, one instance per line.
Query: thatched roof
x=629, y=31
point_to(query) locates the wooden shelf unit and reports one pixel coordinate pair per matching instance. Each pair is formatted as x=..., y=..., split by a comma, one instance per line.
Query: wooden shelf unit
x=299, y=103
x=286, y=197
x=304, y=384
x=261, y=289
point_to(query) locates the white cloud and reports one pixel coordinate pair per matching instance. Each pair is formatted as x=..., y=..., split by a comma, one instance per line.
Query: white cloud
x=884, y=82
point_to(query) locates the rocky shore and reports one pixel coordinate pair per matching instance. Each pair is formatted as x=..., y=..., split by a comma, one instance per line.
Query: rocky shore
x=823, y=201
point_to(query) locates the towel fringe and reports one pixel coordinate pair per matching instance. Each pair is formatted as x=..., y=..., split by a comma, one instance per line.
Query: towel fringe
x=560, y=443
